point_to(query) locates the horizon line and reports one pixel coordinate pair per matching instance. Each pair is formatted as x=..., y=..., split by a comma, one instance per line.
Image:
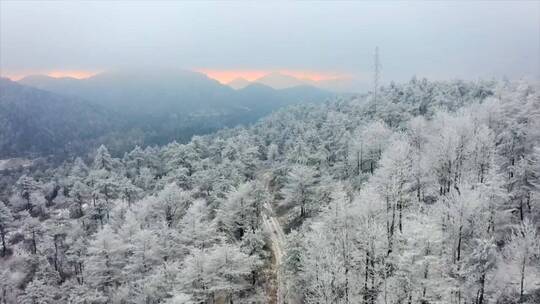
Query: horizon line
x=223, y=76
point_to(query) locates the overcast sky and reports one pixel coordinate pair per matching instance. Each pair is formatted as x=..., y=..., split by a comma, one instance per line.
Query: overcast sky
x=439, y=40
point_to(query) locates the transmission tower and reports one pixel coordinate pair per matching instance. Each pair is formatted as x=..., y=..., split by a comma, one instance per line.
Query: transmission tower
x=377, y=75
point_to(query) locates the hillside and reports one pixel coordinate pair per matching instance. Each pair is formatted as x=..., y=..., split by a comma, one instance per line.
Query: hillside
x=37, y=122
x=426, y=193
x=68, y=116
x=160, y=92
x=160, y=106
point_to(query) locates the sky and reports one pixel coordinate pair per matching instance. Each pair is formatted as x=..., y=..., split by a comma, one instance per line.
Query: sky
x=314, y=40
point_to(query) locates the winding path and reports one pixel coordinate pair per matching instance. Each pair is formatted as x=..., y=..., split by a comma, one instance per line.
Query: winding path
x=277, y=244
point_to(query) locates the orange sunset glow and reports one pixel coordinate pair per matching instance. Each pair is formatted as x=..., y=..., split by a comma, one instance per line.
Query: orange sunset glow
x=73, y=74
x=223, y=76
x=78, y=74
x=226, y=76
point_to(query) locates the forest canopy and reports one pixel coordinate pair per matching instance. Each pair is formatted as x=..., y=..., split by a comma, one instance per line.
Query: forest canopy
x=426, y=192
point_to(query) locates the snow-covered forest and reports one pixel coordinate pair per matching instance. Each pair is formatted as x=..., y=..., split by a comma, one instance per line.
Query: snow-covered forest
x=425, y=192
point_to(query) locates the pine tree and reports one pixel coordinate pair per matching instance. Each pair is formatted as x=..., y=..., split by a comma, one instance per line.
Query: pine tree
x=105, y=261
x=103, y=160
x=523, y=252
x=298, y=190
x=37, y=293
x=6, y=221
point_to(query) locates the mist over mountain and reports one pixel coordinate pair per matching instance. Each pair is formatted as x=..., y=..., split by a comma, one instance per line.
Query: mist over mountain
x=276, y=80
x=281, y=81
x=159, y=92
x=33, y=121
x=143, y=91
x=154, y=106
x=238, y=83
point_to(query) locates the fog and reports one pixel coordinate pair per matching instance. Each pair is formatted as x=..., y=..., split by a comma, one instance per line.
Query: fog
x=442, y=40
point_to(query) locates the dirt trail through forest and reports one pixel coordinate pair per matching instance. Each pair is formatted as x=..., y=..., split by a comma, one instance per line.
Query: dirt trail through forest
x=277, y=244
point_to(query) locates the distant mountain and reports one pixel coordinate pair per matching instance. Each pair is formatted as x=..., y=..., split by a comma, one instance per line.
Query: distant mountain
x=170, y=92
x=51, y=83
x=159, y=106
x=37, y=122
x=281, y=81
x=238, y=83
x=154, y=92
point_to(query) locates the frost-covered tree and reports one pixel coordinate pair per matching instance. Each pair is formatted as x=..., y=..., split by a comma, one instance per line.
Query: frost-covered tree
x=27, y=193
x=103, y=160
x=478, y=265
x=431, y=197
x=196, y=229
x=393, y=181
x=6, y=221
x=298, y=190
x=171, y=203
x=523, y=252
x=37, y=292
x=241, y=212
x=219, y=271
x=371, y=141
x=105, y=262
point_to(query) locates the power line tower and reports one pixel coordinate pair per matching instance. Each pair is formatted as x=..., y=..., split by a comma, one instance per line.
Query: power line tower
x=376, y=75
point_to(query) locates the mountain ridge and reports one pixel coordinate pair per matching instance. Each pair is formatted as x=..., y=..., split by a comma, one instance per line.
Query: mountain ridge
x=169, y=91
x=41, y=122
x=159, y=106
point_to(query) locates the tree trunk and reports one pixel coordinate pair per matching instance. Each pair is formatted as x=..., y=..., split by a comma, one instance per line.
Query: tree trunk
x=424, y=289
x=521, y=209
x=400, y=207
x=358, y=161
x=522, y=281
x=366, y=278
x=459, y=245
x=372, y=291
x=529, y=201
x=347, y=284
x=392, y=229
x=81, y=272
x=418, y=190
x=55, y=254
x=81, y=212
x=34, y=245
x=3, y=235
x=482, y=284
